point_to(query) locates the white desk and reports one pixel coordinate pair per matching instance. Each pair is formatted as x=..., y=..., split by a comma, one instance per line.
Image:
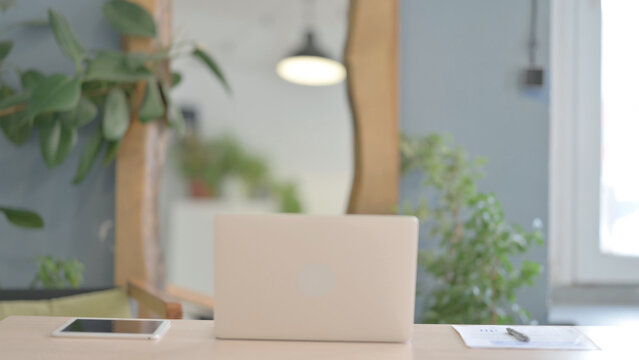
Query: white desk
x=26, y=338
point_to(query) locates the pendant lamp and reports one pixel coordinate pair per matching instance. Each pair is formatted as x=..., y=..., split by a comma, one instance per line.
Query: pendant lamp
x=311, y=66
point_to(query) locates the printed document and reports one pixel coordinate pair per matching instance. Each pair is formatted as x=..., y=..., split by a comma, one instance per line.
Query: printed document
x=541, y=337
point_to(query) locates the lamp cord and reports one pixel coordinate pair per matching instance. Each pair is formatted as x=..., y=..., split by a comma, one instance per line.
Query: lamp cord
x=309, y=13
x=532, y=43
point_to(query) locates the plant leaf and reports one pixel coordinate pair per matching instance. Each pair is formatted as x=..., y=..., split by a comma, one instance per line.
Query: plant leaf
x=68, y=140
x=64, y=35
x=50, y=133
x=9, y=98
x=116, y=115
x=173, y=113
x=13, y=99
x=56, y=140
x=7, y=4
x=23, y=218
x=30, y=79
x=43, y=120
x=72, y=270
x=206, y=58
x=111, y=152
x=83, y=113
x=5, y=48
x=114, y=66
x=152, y=106
x=89, y=154
x=56, y=92
x=176, y=77
x=135, y=60
x=16, y=128
x=176, y=119
x=129, y=18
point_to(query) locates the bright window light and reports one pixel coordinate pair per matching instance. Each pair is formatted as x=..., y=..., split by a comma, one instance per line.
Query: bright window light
x=619, y=222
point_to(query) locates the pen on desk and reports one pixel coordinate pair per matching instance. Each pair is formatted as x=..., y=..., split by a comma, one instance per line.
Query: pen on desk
x=518, y=335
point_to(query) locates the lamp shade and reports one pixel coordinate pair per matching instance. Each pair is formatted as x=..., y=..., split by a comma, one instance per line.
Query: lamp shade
x=310, y=66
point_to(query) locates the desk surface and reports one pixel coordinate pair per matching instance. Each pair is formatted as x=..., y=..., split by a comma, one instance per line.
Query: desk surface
x=27, y=337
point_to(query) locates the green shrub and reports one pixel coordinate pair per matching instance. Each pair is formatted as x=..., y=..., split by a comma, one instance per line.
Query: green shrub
x=474, y=278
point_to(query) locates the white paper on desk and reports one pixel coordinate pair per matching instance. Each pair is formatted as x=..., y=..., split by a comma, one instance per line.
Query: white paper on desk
x=541, y=337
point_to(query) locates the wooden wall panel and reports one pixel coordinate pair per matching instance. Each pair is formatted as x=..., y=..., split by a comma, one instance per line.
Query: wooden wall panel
x=371, y=61
x=139, y=164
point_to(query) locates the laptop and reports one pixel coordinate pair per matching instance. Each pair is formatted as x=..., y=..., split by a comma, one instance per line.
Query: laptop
x=305, y=277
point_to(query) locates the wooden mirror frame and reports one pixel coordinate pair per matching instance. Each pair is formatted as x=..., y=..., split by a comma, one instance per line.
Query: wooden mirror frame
x=371, y=60
x=139, y=165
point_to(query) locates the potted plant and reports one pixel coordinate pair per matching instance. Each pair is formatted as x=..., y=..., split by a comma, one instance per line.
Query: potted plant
x=475, y=279
x=208, y=164
x=52, y=273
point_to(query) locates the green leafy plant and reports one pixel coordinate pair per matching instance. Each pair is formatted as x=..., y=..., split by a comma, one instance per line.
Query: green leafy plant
x=22, y=218
x=474, y=276
x=286, y=192
x=211, y=162
x=106, y=87
x=54, y=273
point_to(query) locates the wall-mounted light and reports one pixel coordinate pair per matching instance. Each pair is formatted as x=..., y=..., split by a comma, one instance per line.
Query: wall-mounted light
x=534, y=74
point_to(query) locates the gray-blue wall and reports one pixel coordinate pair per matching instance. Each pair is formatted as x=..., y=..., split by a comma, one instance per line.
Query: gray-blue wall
x=461, y=63
x=72, y=214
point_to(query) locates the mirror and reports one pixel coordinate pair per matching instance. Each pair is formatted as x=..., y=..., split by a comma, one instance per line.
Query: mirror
x=267, y=145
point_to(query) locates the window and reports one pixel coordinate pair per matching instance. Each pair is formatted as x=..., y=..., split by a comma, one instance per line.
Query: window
x=594, y=167
x=619, y=209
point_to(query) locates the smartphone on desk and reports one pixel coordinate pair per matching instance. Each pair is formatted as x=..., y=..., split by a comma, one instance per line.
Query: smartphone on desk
x=113, y=328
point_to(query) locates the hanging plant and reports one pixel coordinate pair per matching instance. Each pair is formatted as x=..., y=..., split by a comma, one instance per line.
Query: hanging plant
x=103, y=89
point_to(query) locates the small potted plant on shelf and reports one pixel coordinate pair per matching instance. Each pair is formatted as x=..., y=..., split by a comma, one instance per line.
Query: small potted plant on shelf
x=207, y=165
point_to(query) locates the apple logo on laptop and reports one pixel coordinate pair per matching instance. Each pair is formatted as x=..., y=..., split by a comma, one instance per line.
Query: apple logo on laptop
x=316, y=279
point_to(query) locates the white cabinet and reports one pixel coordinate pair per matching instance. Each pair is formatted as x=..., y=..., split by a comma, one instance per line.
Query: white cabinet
x=189, y=248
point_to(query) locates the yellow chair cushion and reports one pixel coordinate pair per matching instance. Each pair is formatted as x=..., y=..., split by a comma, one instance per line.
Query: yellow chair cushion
x=105, y=303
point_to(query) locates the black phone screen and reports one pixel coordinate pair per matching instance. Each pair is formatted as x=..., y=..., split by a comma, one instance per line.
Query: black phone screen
x=113, y=326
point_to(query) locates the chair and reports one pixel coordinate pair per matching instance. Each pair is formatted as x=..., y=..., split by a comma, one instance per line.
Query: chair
x=96, y=302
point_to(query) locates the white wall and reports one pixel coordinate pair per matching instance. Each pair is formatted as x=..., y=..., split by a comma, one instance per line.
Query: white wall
x=304, y=132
